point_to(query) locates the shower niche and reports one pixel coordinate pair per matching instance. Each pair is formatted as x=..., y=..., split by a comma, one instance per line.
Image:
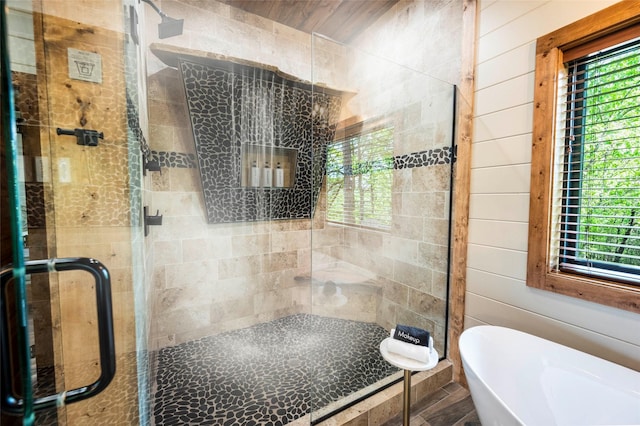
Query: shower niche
x=267, y=167
x=243, y=113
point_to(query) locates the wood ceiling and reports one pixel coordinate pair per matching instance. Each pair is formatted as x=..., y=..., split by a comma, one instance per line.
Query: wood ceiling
x=341, y=20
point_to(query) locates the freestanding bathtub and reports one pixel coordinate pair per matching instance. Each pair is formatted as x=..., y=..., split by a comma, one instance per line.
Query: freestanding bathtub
x=519, y=379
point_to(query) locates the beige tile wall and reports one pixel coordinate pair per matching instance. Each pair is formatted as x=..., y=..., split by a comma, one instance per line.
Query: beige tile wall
x=212, y=278
x=412, y=259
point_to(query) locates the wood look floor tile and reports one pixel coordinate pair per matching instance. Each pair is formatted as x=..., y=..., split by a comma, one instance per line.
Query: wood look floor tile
x=450, y=405
x=470, y=419
x=449, y=411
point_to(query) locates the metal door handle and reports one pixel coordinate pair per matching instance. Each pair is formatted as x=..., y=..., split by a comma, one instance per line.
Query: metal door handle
x=12, y=403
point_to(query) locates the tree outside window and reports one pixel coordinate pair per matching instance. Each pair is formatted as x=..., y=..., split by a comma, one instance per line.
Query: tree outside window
x=360, y=179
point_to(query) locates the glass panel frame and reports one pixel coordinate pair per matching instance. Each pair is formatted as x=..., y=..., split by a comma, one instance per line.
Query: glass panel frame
x=11, y=166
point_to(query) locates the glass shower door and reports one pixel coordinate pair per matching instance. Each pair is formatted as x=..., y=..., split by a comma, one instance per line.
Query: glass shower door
x=65, y=126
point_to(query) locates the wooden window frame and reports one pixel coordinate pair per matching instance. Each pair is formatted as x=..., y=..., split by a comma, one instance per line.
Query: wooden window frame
x=550, y=56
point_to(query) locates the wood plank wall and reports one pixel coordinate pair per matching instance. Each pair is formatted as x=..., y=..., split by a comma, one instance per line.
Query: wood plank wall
x=497, y=254
x=462, y=186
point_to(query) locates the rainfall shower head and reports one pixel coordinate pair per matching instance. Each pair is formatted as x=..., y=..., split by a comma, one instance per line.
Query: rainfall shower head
x=169, y=27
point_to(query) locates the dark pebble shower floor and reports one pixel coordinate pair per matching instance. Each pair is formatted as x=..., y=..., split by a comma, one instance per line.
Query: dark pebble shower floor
x=267, y=374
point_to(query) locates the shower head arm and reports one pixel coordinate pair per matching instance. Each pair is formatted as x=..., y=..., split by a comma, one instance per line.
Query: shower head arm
x=157, y=9
x=169, y=26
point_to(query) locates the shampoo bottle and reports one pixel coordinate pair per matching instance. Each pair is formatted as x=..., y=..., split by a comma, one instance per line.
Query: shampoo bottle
x=279, y=176
x=267, y=176
x=254, y=178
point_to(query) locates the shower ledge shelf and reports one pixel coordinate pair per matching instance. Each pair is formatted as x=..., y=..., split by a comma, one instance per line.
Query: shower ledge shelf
x=341, y=276
x=169, y=55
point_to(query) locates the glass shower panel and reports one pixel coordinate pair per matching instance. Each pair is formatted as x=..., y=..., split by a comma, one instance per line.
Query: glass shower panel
x=230, y=261
x=380, y=238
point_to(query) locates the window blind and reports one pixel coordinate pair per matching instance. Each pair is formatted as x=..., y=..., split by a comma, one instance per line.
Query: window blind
x=598, y=166
x=360, y=179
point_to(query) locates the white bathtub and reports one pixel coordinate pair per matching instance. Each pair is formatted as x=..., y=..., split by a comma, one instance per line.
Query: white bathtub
x=519, y=379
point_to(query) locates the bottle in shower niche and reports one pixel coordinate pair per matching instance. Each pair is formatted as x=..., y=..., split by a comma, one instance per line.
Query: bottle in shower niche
x=279, y=176
x=267, y=175
x=254, y=177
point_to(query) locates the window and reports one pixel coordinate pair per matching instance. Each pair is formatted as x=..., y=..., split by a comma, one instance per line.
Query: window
x=600, y=176
x=584, y=223
x=360, y=177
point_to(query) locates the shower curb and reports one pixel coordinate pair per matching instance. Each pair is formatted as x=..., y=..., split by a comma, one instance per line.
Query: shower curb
x=386, y=404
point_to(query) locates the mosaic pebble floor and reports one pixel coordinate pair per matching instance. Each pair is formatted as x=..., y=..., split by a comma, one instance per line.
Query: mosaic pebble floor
x=267, y=374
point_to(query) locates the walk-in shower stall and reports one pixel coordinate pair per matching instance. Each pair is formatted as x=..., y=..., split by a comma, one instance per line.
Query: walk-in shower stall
x=268, y=205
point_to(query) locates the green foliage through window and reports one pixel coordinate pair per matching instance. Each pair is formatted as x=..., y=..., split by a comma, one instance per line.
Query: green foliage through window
x=360, y=178
x=601, y=196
